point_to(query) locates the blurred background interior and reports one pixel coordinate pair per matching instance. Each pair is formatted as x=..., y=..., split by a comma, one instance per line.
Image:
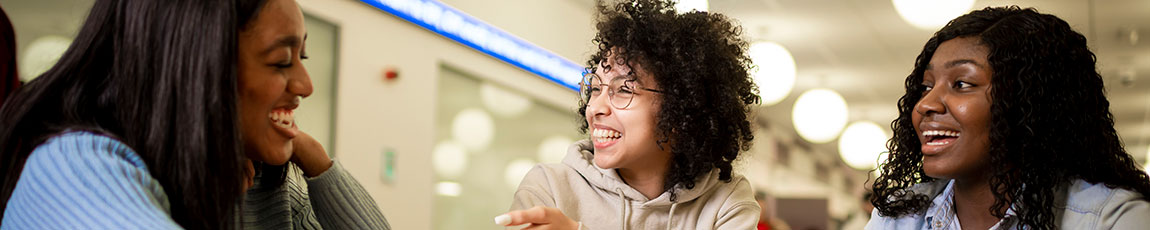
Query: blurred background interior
x=440, y=107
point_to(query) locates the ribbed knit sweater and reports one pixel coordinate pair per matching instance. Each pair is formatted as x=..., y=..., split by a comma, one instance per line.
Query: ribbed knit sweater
x=81, y=180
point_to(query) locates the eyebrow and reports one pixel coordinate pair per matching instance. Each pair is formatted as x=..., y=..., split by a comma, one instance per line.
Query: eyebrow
x=958, y=62
x=288, y=41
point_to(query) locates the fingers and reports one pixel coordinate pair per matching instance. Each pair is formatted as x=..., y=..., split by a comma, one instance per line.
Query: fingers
x=535, y=215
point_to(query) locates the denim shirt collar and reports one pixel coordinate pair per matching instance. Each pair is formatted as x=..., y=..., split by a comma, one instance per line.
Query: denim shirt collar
x=941, y=215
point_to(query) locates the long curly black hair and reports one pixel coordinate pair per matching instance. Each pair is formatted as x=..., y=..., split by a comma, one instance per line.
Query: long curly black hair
x=1050, y=117
x=700, y=61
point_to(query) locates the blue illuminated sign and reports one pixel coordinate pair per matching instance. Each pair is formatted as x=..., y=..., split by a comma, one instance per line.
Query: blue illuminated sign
x=451, y=23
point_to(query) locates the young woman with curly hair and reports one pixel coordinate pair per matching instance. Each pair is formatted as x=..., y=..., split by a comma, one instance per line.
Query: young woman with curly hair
x=665, y=103
x=1005, y=125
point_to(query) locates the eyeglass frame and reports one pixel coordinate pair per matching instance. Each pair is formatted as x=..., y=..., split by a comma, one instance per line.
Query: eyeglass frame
x=585, y=85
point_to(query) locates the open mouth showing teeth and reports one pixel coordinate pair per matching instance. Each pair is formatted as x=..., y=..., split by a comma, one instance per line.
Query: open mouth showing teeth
x=283, y=118
x=605, y=135
x=939, y=137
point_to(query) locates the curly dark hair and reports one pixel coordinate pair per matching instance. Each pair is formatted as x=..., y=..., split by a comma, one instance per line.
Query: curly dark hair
x=1050, y=117
x=699, y=59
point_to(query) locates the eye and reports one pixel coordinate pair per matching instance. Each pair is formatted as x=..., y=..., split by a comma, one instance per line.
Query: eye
x=624, y=89
x=962, y=84
x=926, y=87
x=283, y=65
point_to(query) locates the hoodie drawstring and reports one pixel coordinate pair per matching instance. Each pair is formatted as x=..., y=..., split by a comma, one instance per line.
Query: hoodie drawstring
x=671, y=216
x=622, y=209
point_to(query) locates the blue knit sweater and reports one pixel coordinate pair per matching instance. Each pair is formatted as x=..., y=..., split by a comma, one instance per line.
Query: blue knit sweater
x=80, y=180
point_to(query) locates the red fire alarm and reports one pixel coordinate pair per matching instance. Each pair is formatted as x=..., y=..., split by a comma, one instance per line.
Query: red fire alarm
x=390, y=74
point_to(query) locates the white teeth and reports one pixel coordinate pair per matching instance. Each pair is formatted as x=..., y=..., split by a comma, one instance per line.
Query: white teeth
x=603, y=135
x=947, y=133
x=285, y=119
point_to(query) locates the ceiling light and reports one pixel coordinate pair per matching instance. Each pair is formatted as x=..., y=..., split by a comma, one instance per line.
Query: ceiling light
x=473, y=129
x=861, y=144
x=553, y=149
x=448, y=159
x=502, y=102
x=515, y=172
x=819, y=115
x=447, y=188
x=775, y=74
x=933, y=14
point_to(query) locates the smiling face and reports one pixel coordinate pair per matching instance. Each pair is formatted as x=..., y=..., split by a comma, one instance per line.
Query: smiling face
x=953, y=117
x=272, y=80
x=625, y=138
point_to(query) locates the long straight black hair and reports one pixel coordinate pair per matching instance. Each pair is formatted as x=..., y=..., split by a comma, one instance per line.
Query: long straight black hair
x=159, y=76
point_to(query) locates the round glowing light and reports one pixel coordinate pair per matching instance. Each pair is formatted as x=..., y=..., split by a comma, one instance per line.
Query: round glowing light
x=819, y=115
x=447, y=188
x=861, y=144
x=515, y=172
x=684, y=6
x=554, y=148
x=41, y=55
x=933, y=14
x=502, y=102
x=473, y=129
x=775, y=75
x=449, y=159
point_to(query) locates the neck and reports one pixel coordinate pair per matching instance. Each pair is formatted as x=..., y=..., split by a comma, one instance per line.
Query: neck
x=648, y=180
x=972, y=203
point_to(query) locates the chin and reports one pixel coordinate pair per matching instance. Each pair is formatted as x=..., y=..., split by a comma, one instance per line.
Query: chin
x=604, y=163
x=273, y=155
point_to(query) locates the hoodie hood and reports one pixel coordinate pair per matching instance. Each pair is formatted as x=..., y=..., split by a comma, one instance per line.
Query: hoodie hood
x=581, y=157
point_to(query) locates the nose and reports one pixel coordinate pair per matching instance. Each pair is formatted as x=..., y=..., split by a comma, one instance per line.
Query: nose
x=299, y=81
x=933, y=102
x=598, y=105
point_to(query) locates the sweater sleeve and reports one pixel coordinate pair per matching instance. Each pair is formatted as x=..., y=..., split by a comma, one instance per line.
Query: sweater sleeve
x=534, y=190
x=83, y=181
x=341, y=203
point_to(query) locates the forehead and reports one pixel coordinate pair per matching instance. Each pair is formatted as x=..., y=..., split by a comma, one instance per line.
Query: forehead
x=612, y=67
x=963, y=48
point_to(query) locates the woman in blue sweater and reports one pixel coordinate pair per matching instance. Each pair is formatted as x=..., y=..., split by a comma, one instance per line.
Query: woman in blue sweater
x=162, y=114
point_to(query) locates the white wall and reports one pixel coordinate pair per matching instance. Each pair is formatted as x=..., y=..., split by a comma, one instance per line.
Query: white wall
x=374, y=114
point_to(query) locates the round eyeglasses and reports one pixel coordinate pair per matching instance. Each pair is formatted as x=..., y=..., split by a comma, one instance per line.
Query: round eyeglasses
x=620, y=91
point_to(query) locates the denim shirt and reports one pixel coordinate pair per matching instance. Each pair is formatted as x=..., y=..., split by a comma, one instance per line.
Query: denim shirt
x=1083, y=206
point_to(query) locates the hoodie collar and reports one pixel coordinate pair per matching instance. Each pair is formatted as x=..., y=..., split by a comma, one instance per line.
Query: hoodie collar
x=581, y=157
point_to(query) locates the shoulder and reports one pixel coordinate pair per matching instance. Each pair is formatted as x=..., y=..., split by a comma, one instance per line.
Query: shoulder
x=86, y=180
x=735, y=195
x=85, y=153
x=1111, y=206
x=543, y=177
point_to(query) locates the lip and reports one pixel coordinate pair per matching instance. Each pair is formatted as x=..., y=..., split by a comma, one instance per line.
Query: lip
x=603, y=145
x=939, y=147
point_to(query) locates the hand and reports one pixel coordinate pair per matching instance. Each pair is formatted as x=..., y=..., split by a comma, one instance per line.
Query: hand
x=539, y=217
x=309, y=155
x=249, y=180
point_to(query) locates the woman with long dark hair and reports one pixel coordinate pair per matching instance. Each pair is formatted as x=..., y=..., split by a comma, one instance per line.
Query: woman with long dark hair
x=159, y=116
x=1005, y=125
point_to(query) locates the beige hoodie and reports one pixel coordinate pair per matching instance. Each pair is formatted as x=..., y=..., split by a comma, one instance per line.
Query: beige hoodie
x=599, y=199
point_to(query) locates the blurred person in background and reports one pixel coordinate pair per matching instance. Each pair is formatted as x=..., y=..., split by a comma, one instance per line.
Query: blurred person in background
x=1005, y=125
x=9, y=77
x=162, y=113
x=665, y=104
x=767, y=218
